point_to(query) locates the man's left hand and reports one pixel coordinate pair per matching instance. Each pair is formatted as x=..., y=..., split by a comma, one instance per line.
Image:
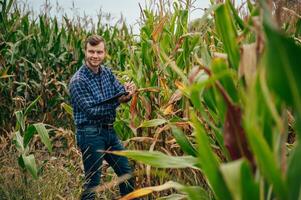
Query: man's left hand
x=131, y=88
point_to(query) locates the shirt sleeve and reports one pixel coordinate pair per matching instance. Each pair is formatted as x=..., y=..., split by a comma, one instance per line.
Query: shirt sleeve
x=117, y=85
x=81, y=96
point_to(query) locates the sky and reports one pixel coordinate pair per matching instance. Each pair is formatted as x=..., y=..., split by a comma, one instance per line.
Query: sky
x=128, y=8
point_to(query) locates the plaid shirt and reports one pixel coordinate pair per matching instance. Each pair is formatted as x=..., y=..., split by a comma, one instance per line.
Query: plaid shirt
x=88, y=93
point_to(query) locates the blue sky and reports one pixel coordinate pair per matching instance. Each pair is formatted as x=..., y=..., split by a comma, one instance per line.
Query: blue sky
x=128, y=8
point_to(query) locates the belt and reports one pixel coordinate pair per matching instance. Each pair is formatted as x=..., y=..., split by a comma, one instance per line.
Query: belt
x=107, y=126
x=103, y=126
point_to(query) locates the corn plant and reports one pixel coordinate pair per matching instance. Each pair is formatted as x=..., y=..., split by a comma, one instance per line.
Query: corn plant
x=238, y=105
x=23, y=134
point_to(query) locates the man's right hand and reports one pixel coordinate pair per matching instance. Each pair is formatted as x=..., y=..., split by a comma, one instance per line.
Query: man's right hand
x=125, y=98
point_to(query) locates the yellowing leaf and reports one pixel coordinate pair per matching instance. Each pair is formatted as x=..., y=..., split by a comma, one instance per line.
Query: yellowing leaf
x=152, y=123
x=168, y=110
x=248, y=62
x=158, y=29
x=183, y=88
x=137, y=193
x=148, y=190
x=163, y=83
x=149, y=89
x=177, y=95
x=179, y=85
x=67, y=108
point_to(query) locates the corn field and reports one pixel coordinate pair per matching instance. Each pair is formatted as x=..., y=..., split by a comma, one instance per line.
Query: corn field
x=217, y=113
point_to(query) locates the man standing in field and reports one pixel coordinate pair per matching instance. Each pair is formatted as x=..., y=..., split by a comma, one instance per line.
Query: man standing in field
x=95, y=94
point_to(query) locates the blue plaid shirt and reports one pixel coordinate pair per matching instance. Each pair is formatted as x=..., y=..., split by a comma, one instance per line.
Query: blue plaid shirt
x=88, y=92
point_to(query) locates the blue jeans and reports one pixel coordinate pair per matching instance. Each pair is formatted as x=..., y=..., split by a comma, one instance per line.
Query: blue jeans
x=91, y=140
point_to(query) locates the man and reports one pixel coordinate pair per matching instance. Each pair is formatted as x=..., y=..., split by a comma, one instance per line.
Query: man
x=95, y=94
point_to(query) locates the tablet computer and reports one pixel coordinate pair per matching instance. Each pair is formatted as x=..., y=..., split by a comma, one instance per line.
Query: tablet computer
x=116, y=96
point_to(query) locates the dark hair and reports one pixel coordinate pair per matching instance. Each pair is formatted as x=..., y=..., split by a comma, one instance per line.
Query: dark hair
x=94, y=40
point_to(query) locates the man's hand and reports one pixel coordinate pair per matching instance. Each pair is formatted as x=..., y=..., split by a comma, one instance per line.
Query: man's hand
x=131, y=88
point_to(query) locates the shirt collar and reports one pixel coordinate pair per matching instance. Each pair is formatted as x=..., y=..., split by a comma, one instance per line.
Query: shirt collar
x=90, y=73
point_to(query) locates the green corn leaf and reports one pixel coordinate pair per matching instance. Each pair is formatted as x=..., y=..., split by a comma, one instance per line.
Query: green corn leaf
x=158, y=159
x=225, y=28
x=43, y=133
x=30, y=131
x=283, y=69
x=268, y=115
x=18, y=141
x=195, y=193
x=238, y=20
x=250, y=188
x=209, y=163
x=21, y=162
x=250, y=6
x=182, y=21
x=196, y=91
x=219, y=66
x=215, y=102
x=9, y=5
x=205, y=55
x=294, y=174
x=20, y=120
x=208, y=12
x=264, y=155
x=231, y=174
x=30, y=165
x=152, y=123
x=32, y=104
x=174, y=67
x=209, y=97
x=238, y=177
x=67, y=108
x=183, y=141
x=42, y=26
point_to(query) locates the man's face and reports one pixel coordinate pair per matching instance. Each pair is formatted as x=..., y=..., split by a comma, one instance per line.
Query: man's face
x=94, y=55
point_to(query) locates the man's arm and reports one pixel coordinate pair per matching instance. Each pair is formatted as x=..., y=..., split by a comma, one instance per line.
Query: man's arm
x=81, y=96
x=117, y=85
x=130, y=88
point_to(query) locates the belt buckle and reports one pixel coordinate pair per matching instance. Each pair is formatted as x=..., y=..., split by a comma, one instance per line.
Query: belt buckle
x=107, y=126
